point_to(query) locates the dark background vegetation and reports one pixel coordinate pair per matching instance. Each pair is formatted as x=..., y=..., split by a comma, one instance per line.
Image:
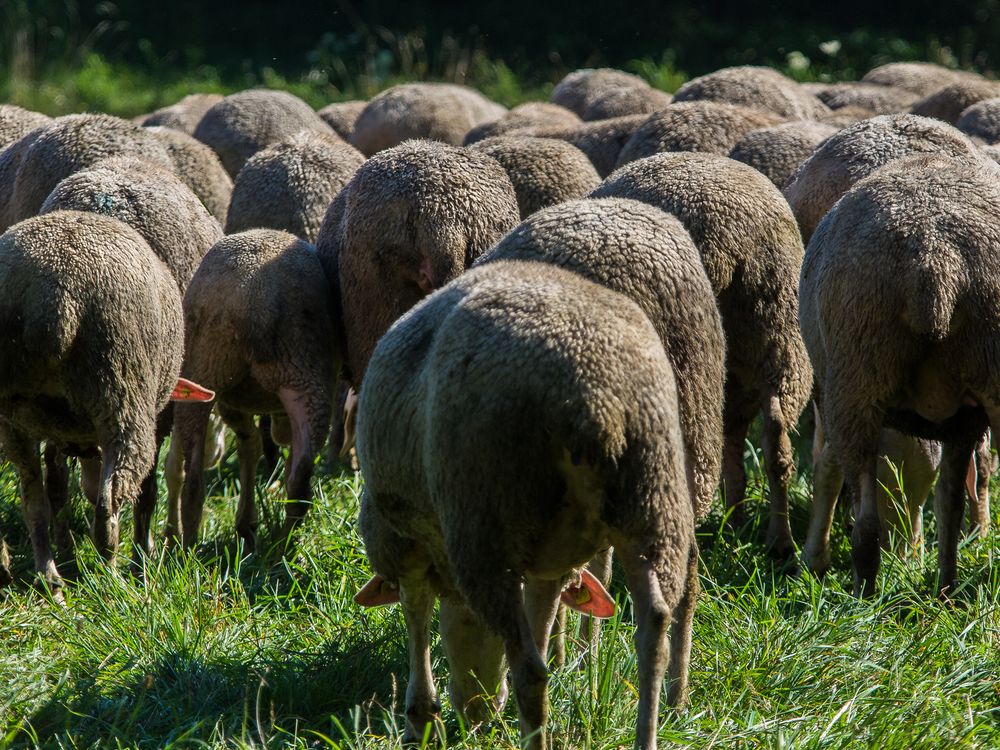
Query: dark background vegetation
x=130, y=55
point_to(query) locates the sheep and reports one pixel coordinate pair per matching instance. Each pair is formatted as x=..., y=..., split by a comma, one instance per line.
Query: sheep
x=949, y=102
x=898, y=314
x=600, y=140
x=761, y=89
x=92, y=342
x=243, y=123
x=200, y=168
x=68, y=145
x=16, y=122
x=173, y=472
x=527, y=115
x=341, y=116
x=706, y=126
x=10, y=160
x=617, y=102
x=436, y=111
x=776, y=152
x=182, y=116
x=841, y=118
x=290, y=184
x=579, y=89
x=857, y=151
x=544, y=171
x=599, y=238
x=259, y=324
x=467, y=500
x=881, y=100
x=751, y=250
x=981, y=121
x=410, y=220
x=919, y=77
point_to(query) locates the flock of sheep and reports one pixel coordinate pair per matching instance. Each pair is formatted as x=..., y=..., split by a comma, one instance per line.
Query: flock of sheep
x=546, y=331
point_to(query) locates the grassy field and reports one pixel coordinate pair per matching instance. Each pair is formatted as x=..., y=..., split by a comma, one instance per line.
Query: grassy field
x=211, y=651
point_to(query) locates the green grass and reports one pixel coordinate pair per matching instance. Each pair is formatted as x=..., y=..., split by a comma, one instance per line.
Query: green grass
x=210, y=651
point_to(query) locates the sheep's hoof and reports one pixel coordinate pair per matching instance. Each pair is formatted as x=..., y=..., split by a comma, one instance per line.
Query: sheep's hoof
x=817, y=563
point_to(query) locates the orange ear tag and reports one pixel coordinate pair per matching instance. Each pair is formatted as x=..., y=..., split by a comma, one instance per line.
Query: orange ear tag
x=188, y=390
x=376, y=592
x=590, y=597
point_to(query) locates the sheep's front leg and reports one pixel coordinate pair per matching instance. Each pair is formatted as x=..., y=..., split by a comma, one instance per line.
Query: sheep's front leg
x=422, y=707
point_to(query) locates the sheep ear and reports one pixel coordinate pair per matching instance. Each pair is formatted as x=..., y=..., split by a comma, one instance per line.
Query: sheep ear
x=376, y=592
x=589, y=597
x=350, y=420
x=970, y=478
x=188, y=390
x=425, y=276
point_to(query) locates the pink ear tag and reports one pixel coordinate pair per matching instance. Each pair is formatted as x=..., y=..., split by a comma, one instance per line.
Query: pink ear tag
x=589, y=597
x=188, y=390
x=376, y=592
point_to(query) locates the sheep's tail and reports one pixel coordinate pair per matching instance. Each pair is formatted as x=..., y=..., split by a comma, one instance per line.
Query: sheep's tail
x=936, y=282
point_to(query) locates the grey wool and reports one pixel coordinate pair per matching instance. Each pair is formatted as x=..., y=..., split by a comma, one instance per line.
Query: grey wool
x=151, y=200
x=707, y=126
x=290, y=184
x=411, y=219
x=579, y=89
x=16, y=122
x=600, y=140
x=512, y=425
x=527, y=115
x=245, y=122
x=69, y=144
x=200, y=168
x=618, y=102
x=921, y=78
x=259, y=325
x=183, y=115
x=751, y=249
x=948, y=103
x=848, y=115
x=898, y=311
x=92, y=343
x=341, y=116
x=878, y=99
x=647, y=255
x=857, y=151
x=981, y=121
x=437, y=111
x=544, y=171
x=10, y=160
x=776, y=152
x=758, y=88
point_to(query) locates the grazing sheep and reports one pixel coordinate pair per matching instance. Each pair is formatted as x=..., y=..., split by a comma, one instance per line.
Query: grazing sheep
x=245, y=122
x=92, y=341
x=880, y=100
x=706, y=126
x=899, y=316
x=341, y=116
x=436, y=111
x=70, y=144
x=618, y=102
x=578, y=90
x=761, y=89
x=184, y=115
x=949, y=102
x=410, y=220
x=857, y=151
x=981, y=121
x=290, y=184
x=467, y=499
x=919, y=77
x=776, y=152
x=544, y=171
x=601, y=238
x=527, y=115
x=259, y=325
x=751, y=251
x=16, y=122
x=200, y=168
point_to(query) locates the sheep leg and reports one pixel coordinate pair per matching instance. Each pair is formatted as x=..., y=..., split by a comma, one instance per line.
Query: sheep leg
x=590, y=628
x=541, y=602
x=422, y=707
x=173, y=475
x=269, y=448
x=827, y=483
x=475, y=654
x=528, y=675
x=105, y=529
x=949, y=506
x=779, y=466
x=734, y=476
x=866, y=550
x=979, y=506
x=145, y=503
x=90, y=478
x=6, y=577
x=557, y=641
x=22, y=451
x=680, y=635
x=249, y=451
x=190, y=424
x=57, y=491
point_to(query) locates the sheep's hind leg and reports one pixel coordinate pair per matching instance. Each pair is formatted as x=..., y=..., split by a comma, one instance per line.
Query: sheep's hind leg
x=734, y=476
x=779, y=465
x=422, y=707
x=190, y=424
x=145, y=504
x=949, y=506
x=680, y=635
x=249, y=451
x=57, y=492
x=979, y=506
x=828, y=480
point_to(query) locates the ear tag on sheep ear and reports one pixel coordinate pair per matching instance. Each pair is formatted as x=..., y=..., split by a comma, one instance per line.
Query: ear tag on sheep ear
x=589, y=597
x=350, y=422
x=376, y=592
x=188, y=390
